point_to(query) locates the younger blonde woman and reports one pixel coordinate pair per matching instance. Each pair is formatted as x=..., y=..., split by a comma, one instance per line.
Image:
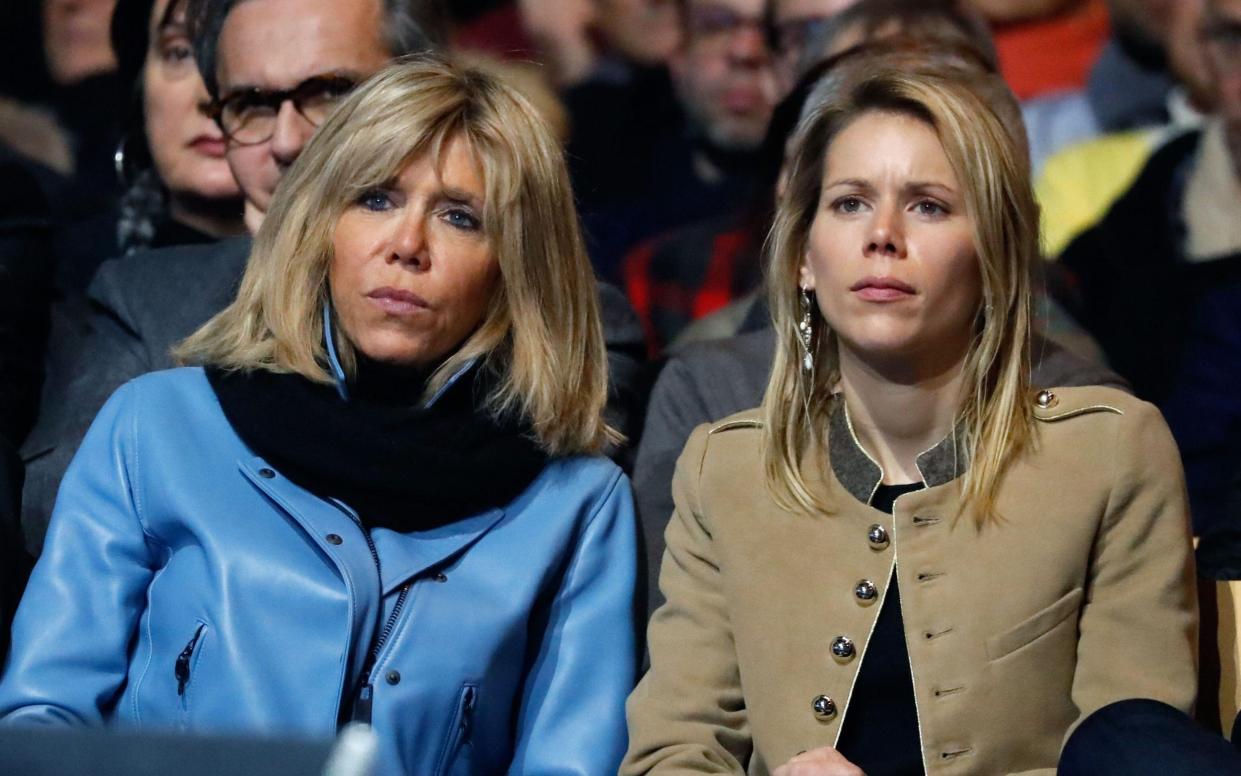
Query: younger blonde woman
x=909, y=559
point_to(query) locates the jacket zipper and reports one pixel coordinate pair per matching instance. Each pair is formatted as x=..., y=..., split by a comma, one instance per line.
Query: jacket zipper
x=365, y=696
x=461, y=736
x=182, y=666
x=467, y=717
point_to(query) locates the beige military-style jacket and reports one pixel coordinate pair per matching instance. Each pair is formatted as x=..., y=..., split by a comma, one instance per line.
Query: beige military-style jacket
x=1080, y=595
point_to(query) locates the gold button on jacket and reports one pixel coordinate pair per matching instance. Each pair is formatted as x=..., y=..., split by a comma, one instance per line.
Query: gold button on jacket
x=1080, y=595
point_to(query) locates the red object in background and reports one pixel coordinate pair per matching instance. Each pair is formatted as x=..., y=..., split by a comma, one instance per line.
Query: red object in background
x=1052, y=55
x=681, y=287
x=498, y=32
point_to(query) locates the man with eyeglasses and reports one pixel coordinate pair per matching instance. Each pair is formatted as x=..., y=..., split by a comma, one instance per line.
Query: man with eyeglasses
x=1158, y=284
x=274, y=70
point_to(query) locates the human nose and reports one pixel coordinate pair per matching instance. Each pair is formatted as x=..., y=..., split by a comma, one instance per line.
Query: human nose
x=409, y=241
x=887, y=234
x=290, y=134
x=748, y=43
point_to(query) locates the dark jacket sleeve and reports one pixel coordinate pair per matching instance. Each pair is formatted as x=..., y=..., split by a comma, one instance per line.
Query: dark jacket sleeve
x=627, y=377
x=26, y=271
x=14, y=563
x=703, y=382
x=94, y=349
x=137, y=308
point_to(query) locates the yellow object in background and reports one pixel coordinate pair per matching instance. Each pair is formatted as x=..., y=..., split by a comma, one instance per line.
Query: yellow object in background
x=1079, y=184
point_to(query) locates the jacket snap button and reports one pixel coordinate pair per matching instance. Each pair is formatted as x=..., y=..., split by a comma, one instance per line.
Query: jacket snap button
x=394, y=677
x=334, y=539
x=878, y=537
x=842, y=649
x=266, y=474
x=865, y=592
x=824, y=707
x=1046, y=400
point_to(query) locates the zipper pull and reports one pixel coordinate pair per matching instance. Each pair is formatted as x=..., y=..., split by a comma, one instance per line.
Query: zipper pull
x=467, y=716
x=362, y=706
x=182, y=667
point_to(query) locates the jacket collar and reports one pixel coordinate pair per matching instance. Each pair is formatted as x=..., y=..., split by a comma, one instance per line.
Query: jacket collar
x=409, y=555
x=405, y=555
x=1209, y=205
x=861, y=475
x=338, y=371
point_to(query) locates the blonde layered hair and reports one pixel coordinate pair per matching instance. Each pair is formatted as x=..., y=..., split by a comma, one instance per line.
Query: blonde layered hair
x=541, y=333
x=970, y=111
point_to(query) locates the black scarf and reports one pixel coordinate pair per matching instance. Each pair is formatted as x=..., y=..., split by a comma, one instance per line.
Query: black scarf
x=401, y=467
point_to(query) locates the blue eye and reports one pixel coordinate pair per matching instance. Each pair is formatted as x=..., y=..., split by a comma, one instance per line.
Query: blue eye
x=929, y=207
x=375, y=200
x=461, y=219
x=847, y=205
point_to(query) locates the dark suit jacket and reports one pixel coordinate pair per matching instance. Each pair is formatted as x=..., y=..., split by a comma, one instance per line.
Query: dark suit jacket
x=14, y=563
x=144, y=304
x=26, y=269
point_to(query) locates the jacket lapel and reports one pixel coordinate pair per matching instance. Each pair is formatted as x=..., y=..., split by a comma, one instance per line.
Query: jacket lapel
x=407, y=555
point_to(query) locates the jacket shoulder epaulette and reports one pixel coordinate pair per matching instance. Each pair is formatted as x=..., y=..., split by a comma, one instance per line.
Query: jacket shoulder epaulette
x=1052, y=405
x=751, y=418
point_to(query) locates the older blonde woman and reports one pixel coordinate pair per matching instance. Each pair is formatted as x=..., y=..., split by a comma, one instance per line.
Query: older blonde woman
x=378, y=497
x=909, y=559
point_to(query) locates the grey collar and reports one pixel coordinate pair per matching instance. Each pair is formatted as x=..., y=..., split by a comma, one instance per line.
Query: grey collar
x=860, y=474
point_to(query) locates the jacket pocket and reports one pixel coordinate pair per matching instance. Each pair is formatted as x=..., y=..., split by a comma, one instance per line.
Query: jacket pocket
x=458, y=744
x=186, y=666
x=1033, y=627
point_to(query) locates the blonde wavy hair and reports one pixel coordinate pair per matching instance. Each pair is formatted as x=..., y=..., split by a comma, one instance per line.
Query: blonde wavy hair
x=971, y=112
x=541, y=333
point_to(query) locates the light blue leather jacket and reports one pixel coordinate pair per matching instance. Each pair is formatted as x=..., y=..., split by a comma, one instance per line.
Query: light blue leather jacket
x=186, y=584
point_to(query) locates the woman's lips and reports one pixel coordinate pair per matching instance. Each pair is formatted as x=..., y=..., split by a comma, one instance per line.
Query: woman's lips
x=396, y=301
x=209, y=146
x=874, y=289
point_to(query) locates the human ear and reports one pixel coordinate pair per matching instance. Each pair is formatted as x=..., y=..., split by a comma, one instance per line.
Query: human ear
x=805, y=274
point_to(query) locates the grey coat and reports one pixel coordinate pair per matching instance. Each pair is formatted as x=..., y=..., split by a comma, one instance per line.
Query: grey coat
x=143, y=304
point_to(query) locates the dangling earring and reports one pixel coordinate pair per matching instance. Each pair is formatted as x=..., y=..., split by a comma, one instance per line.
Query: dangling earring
x=119, y=162
x=805, y=330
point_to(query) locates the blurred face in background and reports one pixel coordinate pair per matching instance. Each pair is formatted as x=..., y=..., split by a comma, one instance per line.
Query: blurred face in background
x=795, y=23
x=1186, y=57
x=273, y=45
x=645, y=31
x=723, y=72
x=1142, y=23
x=1166, y=31
x=186, y=146
x=76, y=38
x=1221, y=34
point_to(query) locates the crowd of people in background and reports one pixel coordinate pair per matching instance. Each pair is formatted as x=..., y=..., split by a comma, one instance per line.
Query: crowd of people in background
x=157, y=199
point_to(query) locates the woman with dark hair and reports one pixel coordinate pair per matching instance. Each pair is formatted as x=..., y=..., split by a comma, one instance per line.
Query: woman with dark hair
x=179, y=188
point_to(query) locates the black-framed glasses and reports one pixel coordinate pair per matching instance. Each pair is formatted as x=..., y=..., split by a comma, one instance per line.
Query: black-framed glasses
x=248, y=117
x=714, y=25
